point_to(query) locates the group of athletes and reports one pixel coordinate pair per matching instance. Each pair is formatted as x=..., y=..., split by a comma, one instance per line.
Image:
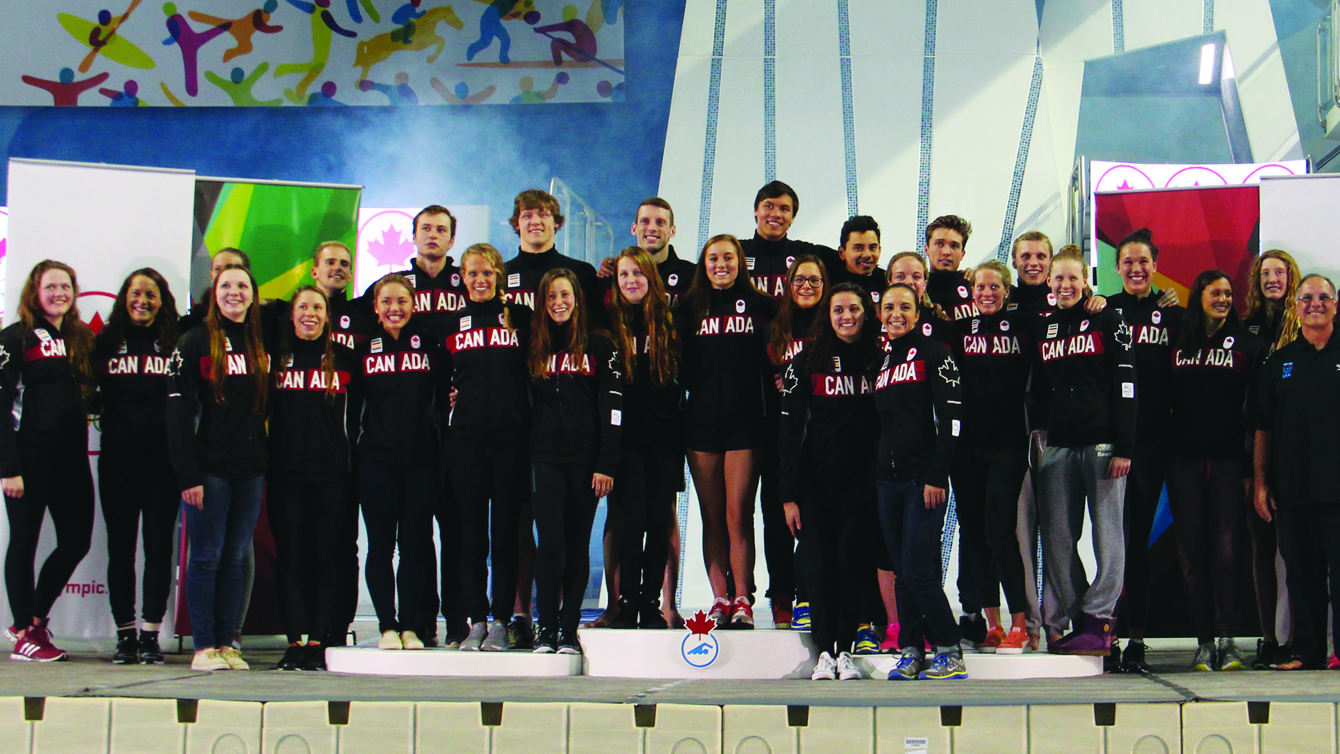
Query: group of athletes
x=505, y=399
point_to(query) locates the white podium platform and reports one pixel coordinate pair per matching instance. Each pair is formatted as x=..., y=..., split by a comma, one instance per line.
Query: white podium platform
x=450, y=662
x=993, y=667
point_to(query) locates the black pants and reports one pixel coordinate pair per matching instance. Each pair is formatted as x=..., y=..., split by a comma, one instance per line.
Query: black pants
x=778, y=544
x=1265, y=545
x=986, y=490
x=306, y=518
x=57, y=480
x=1311, y=550
x=447, y=602
x=1207, y=504
x=564, y=507
x=1144, y=487
x=835, y=515
x=491, y=480
x=347, y=572
x=646, y=487
x=138, y=492
x=398, y=502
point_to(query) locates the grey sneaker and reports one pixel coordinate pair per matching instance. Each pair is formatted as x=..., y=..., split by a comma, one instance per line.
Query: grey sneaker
x=1204, y=659
x=496, y=641
x=1228, y=655
x=908, y=665
x=476, y=637
x=825, y=669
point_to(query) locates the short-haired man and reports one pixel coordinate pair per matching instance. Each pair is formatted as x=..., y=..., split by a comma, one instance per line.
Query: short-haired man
x=536, y=217
x=1296, y=474
x=858, y=252
x=1031, y=257
x=437, y=282
x=946, y=243
x=332, y=272
x=653, y=228
x=771, y=252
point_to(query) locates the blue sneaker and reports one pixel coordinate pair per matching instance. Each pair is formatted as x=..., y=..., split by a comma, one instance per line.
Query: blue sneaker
x=800, y=617
x=867, y=643
x=945, y=667
x=907, y=666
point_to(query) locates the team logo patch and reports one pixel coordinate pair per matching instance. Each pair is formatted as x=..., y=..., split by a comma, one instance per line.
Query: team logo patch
x=837, y=364
x=1004, y=325
x=465, y=323
x=1052, y=329
x=949, y=373
x=514, y=280
x=124, y=349
x=1051, y=299
x=962, y=292
x=700, y=648
x=739, y=306
x=414, y=341
x=288, y=362
x=455, y=281
x=1156, y=317
x=1288, y=369
x=376, y=345
x=976, y=325
x=42, y=335
x=1255, y=329
x=790, y=261
x=1084, y=325
x=502, y=318
x=749, y=262
x=344, y=322
x=227, y=344
x=911, y=354
x=673, y=279
x=927, y=329
x=414, y=281
x=1228, y=342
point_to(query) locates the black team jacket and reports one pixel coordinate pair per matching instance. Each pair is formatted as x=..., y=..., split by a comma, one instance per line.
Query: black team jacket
x=1153, y=331
x=1212, y=392
x=1091, y=377
x=398, y=381
x=918, y=394
x=578, y=411
x=486, y=364
x=39, y=395
x=132, y=380
x=309, y=414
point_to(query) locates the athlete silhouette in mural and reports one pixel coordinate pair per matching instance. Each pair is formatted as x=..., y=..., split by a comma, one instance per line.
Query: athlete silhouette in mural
x=529, y=96
x=189, y=41
x=368, y=6
x=238, y=86
x=325, y=97
x=491, y=26
x=376, y=50
x=101, y=38
x=324, y=28
x=583, y=46
x=65, y=90
x=399, y=93
x=128, y=96
x=461, y=95
x=404, y=17
x=244, y=28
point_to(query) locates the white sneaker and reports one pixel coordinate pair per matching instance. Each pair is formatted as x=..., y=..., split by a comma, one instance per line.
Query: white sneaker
x=846, y=668
x=824, y=668
x=476, y=637
x=390, y=640
x=410, y=640
x=209, y=659
x=234, y=659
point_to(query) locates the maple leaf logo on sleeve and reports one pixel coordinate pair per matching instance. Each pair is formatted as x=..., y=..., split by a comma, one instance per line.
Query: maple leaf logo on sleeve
x=615, y=365
x=1123, y=335
x=175, y=362
x=4, y=357
x=700, y=624
x=949, y=372
x=789, y=381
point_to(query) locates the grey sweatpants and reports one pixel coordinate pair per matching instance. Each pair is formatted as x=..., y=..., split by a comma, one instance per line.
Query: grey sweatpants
x=1051, y=612
x=1068, y=477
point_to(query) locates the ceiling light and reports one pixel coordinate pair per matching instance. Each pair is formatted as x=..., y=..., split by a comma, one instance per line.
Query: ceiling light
x=1206, y=64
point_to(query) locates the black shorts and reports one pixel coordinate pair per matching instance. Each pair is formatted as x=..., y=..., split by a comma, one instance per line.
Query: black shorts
x=716, y=434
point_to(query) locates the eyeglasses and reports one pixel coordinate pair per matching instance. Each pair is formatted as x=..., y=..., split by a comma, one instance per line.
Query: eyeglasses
x=800, y=282
x=1308, y=298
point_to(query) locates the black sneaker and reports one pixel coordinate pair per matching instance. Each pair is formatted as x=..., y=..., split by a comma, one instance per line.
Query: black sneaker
x=456, y=633
x=1133, y=660
x=150, y=654
x=521, y=633
x=568, y=643
x=314, y=657
x=127, y=651
x=650, y=616
x=973, y=629
x=294, y=658
x=546, y=643
x=627, y=615
x=1112, y=663
x=1266, y=654
x=429, y=636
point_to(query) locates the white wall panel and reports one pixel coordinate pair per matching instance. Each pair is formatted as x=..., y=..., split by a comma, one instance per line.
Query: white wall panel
x=1153, y=22
x=807, y=27
x=881, y=28
x=810, y=143
x=1070, y=33
x=695, y=40
x=1042, y=202
x=744, y=28
x=1000, y=27
x=682, y=163
x=887, y=96
x=739, y=166
x=1262, y=88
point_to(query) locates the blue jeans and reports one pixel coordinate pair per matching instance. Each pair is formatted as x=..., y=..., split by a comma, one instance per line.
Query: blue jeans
x=219, y=536
x=912, y=536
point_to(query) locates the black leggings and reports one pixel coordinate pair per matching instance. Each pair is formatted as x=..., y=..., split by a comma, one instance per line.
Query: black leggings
x=778, y=544
x=57, y=480
x=646, y=491
x=138, y=492
x=398, y=503
x=447, y=602
x=835, y=520
x=987, y=482
x=347, y=572
x=491, y=479
x=1207, y=504
x=306, y=518
x=1265, y=545
x=564, y=506
x=1144, y=487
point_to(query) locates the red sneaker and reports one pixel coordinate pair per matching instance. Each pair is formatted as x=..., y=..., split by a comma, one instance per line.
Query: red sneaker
x=1013, y=643
x=993, y=639
x=890, y=643
x=741, y=614
x=1333, y=663
x=35, y=646
x=781, y=614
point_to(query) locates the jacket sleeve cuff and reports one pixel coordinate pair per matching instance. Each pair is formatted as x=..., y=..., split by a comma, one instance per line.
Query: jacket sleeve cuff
x=190, y=479
x=8, y=470
x=607, y=467
x=1123, y=450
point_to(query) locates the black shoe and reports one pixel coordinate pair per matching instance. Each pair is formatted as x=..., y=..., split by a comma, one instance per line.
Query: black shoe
x=546, y=643
x=429, y=637
x=973, y=629
x=650, y=616
x=568, y=643
x=1267, y=653
x=314, y=657
x=294, y=658
x=127, y=650
x=456, y=633
x=150, y=654
x=627, y=615
x=521, y=633
x=1133, y=661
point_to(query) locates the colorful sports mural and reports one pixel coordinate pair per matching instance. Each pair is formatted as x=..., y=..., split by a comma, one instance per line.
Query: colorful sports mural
x=313, y=53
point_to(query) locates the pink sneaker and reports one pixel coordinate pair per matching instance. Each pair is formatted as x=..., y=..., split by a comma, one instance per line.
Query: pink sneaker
x=1333, y=663
x=35, y=646
x=890, y=643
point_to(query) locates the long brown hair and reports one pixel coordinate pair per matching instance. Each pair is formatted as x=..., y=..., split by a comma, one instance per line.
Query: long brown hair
x=1195, y=323
x=165, y=322
x=290, y=334
x=78, y=336
x=663, y=340
x=544, y=330
x=255, y=343
x=779, y=332
x=696, y=300
x=824, y=338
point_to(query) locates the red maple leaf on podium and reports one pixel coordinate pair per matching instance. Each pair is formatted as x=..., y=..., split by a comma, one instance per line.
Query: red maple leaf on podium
x=700, y=623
